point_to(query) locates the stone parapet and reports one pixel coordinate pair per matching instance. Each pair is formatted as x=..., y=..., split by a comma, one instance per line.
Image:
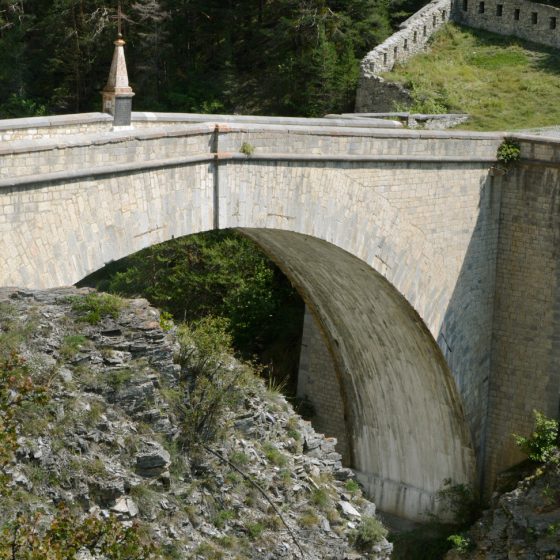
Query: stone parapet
x=34, y=128
x=149, y=119
x=144, y=148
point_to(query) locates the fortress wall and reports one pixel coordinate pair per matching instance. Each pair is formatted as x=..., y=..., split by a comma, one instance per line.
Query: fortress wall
x=538, y=23
x=376, y=95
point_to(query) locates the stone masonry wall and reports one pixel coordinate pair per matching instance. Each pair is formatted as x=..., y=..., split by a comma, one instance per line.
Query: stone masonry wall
x=79, y=152
x=535, y=22
x=317, y=382
x=526, y=334
x=376, y=95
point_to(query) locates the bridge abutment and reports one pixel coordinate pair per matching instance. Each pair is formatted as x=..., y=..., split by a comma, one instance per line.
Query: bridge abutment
x=319, y=386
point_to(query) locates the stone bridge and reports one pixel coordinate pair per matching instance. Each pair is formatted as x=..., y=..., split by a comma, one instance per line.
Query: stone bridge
x=431, y=278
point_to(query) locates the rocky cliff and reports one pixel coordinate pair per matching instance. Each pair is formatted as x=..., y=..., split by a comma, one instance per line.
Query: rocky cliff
x=111, y=438
x=523, y=524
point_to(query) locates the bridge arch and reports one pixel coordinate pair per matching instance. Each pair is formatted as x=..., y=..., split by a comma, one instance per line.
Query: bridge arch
x=405, y=427
x=321, y=215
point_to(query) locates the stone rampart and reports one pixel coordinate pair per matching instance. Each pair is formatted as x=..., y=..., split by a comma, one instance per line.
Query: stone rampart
x=376, y=95
x=535, y=22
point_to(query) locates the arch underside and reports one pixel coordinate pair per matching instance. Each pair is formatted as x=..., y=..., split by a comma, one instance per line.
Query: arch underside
x=404, y=421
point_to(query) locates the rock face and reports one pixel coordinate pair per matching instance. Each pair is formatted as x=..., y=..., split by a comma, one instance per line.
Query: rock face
x=108, y=441
x=523, y=524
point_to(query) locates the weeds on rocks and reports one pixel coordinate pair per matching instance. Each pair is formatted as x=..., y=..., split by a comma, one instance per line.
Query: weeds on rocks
x=541, y=445
x=214, y=381
x=94, y=307
x=370, y=532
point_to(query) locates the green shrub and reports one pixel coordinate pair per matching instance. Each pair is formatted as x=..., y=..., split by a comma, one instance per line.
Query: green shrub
x=308, y=519
x=66, y=534
x=222, y=517
x=508, y=152
x=239, y=458
x=352, y=486
x=459, y=543
x=214, y=382
x=71, y=345
x=370, y=532
x=255, y=530
x=14, y=331
x=119, y=377
x=92, y=308
x=320, y=498
x=274, y=456
x=166, y=321
x=461, y=501
x=204, y=343
x=542, y=443
x=247, y=149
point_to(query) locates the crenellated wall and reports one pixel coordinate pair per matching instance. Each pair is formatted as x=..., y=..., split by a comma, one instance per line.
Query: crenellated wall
x=535, y=22
x=374, y=93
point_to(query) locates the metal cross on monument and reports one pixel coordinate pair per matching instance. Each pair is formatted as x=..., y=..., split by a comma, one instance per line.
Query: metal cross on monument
x=119, y=18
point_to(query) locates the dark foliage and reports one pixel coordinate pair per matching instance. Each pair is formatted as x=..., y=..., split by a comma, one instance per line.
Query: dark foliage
x=285, y=57
x=222, y=274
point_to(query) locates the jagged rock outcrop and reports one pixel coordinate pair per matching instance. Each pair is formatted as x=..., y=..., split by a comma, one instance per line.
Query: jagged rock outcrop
x=523, y=524
x=109, y=441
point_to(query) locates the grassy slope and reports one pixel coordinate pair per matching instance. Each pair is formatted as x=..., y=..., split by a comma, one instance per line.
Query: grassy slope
x=502, y=82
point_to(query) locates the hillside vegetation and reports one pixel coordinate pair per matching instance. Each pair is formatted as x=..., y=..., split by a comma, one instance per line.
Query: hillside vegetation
x=279, y=57
x=502, y=82
x=124, y=437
